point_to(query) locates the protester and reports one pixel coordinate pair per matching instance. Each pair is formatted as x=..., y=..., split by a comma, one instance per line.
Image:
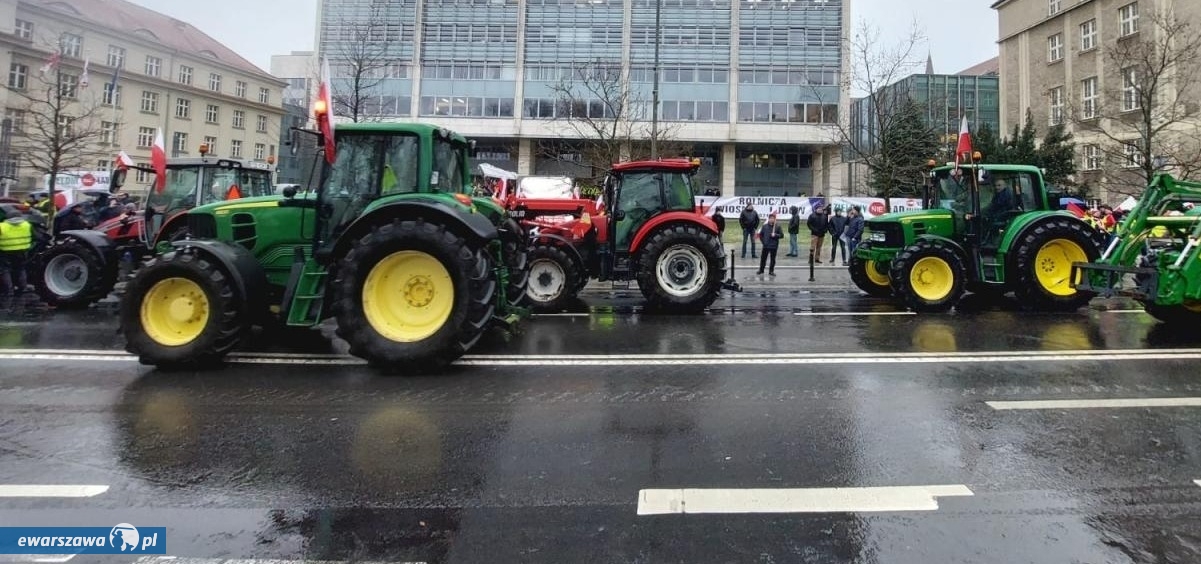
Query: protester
x=749, y=220
x=838, y=225
x=794, y=229
x=819, y=225
x=770, y=235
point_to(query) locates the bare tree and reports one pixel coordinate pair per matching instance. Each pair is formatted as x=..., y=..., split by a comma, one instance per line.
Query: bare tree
x=1147, y=117
x=360, y=60
x=893, y=138
x=609, y=118
x=62, y=124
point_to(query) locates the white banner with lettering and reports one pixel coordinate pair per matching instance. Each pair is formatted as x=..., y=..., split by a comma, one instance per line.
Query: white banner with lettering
x=730, y=207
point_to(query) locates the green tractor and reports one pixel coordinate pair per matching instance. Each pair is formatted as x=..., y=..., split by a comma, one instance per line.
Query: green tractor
x=390, y=245
x=1153, y=256
x=986, y=229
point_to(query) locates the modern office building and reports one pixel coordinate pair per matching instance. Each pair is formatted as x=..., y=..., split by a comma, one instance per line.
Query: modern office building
x=946, y=99
x=172, y=77
x=1054, y=61
x=749, y=86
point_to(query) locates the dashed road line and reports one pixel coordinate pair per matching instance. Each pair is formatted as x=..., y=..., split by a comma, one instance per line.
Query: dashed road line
x=50, y=490
x=796, y=500
x=853, y=313
x=1095, y=403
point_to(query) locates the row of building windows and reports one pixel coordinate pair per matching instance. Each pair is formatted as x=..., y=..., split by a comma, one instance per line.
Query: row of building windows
x=374, y=32
x=639, y=73
x=787, y=113
x=465, y=106
x=1131, y=97
x=1092, y=156
x=1127, y=25
x=471, y=33
x=791, y=36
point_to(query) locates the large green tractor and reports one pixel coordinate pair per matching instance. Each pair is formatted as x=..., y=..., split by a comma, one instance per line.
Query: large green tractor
x=985, y=228
x=1154, y=256
x=390, y=245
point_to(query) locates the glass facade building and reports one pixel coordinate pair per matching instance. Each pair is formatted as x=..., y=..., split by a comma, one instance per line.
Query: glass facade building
x=750, y=87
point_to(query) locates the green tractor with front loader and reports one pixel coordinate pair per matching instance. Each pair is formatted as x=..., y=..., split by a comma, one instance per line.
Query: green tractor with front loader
x=390, y=244
x=1153, y=255
x=985, y=229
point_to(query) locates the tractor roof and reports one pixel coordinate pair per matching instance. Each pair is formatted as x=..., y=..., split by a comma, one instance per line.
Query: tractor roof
x=661, y=164
x=989, y=166
x=216, y=161
x=400, y=127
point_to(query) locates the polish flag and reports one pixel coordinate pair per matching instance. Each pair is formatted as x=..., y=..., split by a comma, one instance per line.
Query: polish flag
x=123, y=161
x=964, y=149
x=322, y=108
x=158, y=158
x=84, y=78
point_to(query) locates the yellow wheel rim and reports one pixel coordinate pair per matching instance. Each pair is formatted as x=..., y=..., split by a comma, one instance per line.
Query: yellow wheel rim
x=931, y=279
x=175, y=311
x=408, y=296
x=1053, y=265
x=873, y=275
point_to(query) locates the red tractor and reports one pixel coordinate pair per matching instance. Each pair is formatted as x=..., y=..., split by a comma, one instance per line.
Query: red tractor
x=81, y=266
x=647, y=230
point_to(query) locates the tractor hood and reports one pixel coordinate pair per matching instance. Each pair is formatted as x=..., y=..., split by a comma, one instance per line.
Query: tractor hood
x=894, y=229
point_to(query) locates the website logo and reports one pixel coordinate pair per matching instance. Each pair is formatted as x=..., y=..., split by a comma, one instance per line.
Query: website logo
x=121, y=539
x=124, y=536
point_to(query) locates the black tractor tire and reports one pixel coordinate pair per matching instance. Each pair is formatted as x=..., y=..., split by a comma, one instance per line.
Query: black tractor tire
x=555, y=278
x=1179, y=316
x=861, y=278
x=222, y=331
x=1056, y=239
x=516, y=253
x=915, y=281
x=683, y=247
x=66, y=263
x=471, y=280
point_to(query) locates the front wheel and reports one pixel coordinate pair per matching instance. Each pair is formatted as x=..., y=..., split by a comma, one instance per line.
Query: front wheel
x=73, y=275
x=411, y=295
x=681, y=268
x=181, y=309
x=928, y=276
x=554, y=278
x=870, y=277
x=1043, y=264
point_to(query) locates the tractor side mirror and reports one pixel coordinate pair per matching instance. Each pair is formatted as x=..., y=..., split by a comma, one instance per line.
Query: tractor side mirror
x=289, y=191
x=116, y=180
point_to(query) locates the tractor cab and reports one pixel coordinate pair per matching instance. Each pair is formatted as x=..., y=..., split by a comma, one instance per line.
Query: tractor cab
x=642, y=193
x=984, y=207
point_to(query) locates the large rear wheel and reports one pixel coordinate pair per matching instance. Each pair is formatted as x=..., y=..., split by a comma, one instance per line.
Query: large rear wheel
x=554, y=278
x=681, y=268
x=413, y=296
x=928, y=276
x=72, y=275
x=182, y=309
x=1043, y=261
x=516, y=253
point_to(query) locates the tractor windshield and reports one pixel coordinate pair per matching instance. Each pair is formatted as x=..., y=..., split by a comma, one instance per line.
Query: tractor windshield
x=367, y=166
x=214, y=183
x=953, y=191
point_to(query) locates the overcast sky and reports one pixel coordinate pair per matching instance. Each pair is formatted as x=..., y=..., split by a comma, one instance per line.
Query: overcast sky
x=961, y=33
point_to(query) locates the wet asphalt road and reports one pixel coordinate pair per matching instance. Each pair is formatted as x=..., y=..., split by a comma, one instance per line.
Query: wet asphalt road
x=536, y=449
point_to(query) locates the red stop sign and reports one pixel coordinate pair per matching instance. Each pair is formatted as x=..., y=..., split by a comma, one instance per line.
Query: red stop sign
x=88, y=180
x=877, y=208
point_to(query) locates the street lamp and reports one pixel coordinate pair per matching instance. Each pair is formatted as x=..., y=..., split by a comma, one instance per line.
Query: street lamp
x=655, y=88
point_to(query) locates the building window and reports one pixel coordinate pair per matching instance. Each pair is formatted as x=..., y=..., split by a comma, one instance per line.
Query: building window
x=260, y=151
x=72, y=45
x=264, y=96
x=261, y=125
x=150, y=102
x=1128, y=19
x=108, y=132
x=470, y=106
x=211, y=141
x=66, y=125
x=1130, y=89
x=1055, y=48
x=68, y=85
x=214, y=82
x=183, y=108
x=211, y=113
x=112, y=97
x=17, y=73
x=143, y=176
x=145, y=137
x=1088, y=98
x=239, y=119
x=1052, y=7
x=16, y=120
x=180, y=142
x=1057, y=105
x=1134, y=158
x=154, y=66
x=235, y=149
x=1092, y=157
x=185, y=75
x=116, y=56
x=240, y=89
x=1088, y=35
x=24, y=29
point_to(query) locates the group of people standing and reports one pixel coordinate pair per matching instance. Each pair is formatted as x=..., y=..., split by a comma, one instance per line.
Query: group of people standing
x=844, y=231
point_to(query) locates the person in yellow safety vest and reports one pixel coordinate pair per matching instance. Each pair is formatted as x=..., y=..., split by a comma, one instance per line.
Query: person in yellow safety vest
x=16, y=238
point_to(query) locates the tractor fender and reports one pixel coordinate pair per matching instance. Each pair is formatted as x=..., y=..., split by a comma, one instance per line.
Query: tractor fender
x=94, y=239
x=688, y=217
x=246, y=274
x=950, y=243
x=1025, y=222
x=473, y=226
x=167, y=226
x=562, y=243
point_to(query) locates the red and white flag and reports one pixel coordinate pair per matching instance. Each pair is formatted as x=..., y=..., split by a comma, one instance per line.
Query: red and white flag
x=963, y=150
x=158, y=159
x=322, y=108
x=83, y=78
x=52, y=62
x=122, y=162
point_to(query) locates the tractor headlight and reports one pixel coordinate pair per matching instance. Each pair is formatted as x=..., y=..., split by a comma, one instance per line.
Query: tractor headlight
x=876, y=236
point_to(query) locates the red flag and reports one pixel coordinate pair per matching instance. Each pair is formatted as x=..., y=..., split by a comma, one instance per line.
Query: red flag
x=1076, y=210
x=122, y=161
x=321, y=111
x=158, y=159
x=964, y=149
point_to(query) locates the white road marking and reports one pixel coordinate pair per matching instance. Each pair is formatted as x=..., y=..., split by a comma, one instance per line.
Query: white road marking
x=1095, y=403
x=798, y=500
x=37, y=490
x=1198, y=482
x=973, y=357
x=194, y=560
x=26, y=558
x=1124, y=311
x=854, y=313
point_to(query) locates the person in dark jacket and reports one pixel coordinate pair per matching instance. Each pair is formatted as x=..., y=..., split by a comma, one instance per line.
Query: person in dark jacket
x=770, y=234
x=819, y=225
x=838, y=225
x=749, y=220
x=854, y=228
x=794, y=228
